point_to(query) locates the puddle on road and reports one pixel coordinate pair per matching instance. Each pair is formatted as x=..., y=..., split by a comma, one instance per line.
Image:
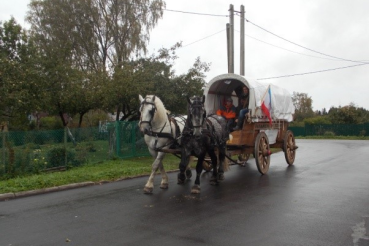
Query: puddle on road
x=182, y=198
x=359, y=235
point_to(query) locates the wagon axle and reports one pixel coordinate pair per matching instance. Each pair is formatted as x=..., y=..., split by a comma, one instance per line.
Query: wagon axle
x=266, y=152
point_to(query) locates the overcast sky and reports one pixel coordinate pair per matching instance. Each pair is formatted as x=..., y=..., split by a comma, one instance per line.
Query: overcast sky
x=335, y=34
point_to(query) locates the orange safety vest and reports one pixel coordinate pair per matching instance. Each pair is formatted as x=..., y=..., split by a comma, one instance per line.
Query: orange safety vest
x=227, y=112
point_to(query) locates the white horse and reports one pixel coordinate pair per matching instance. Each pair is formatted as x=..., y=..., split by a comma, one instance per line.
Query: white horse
x=161, y=132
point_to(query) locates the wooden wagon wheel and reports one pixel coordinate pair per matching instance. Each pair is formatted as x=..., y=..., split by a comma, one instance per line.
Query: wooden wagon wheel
x=289, y=147
x=262, y=153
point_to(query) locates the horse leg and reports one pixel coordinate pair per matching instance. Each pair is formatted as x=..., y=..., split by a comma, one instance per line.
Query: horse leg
x=188, y=169
x=164, y=176
x=196, y=187
x=214, y=161
x=183, y=165
x=149, y=187
x=222, y=153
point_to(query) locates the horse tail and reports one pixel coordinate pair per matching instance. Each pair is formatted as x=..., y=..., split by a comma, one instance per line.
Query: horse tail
x=226, y=166
x=192, y=159
x=224, y=162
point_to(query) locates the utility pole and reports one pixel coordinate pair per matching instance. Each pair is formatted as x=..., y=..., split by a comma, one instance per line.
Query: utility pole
x=231, y=40
x=229, y=59
x=242, y=42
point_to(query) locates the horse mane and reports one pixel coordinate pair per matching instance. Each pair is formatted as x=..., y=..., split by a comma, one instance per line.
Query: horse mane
x=161, y=114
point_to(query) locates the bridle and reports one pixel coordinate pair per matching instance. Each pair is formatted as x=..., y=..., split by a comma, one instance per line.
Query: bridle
x=151, y=132
x=197, y=105
x=151, y=112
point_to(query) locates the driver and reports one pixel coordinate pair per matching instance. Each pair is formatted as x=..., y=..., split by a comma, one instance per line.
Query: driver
x=228, y=111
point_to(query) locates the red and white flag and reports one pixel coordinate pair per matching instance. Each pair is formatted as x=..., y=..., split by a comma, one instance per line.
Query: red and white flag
x=266, y=105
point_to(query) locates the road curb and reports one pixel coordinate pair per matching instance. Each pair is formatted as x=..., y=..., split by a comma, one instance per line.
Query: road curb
x=8, y=196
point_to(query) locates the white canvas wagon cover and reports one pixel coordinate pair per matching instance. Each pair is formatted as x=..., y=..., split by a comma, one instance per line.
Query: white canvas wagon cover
x=226, y=85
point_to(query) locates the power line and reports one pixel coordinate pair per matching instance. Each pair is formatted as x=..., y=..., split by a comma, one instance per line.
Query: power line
x=203, y=38
x=194, y=13
x=288, y=49
x=301, y=45
x=283, y=76
x=320, y=71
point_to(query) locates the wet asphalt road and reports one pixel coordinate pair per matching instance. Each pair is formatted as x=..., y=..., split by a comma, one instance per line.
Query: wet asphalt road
x=322, y=200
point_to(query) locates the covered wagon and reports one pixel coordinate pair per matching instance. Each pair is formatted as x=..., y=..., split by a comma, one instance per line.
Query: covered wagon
x=265, y=126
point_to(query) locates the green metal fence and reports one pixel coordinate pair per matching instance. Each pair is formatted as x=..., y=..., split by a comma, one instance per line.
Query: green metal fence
x=127, y=140
x=332, y=130
x=40, y=151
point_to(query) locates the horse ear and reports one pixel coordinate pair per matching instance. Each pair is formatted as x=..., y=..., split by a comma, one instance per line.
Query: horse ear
x=140, y=98
x=203, y=98
x=153, y=98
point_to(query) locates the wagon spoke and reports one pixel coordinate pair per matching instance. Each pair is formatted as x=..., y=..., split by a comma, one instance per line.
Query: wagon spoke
x=289, y=147
x=261, y=151
x=265, y=160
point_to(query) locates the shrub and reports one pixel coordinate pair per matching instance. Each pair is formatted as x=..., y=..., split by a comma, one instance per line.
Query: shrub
x=56, y=157
x=329, y=134
x=318, y=120
x=51, y=123
x=39, y=162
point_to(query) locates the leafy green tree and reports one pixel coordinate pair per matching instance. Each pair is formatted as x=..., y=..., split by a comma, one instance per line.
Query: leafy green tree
x=303, y=106
x=98, y=34
x=18, y=75
x=318, y=120
x=154, y=76
x=349, y=114
x=84, y=43
x=189, y=84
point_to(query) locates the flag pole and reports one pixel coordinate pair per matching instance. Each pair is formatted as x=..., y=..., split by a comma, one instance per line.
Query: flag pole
x=269, y=115
x=262, y=99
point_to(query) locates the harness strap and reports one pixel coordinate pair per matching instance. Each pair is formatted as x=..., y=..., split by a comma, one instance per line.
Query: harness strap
x=162, y=134
x=177, y=130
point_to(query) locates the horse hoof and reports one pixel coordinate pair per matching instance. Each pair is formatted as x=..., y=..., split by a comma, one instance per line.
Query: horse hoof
x=242, y=164
x=214, y=181
x=148, y=190
x=180, y=178
x=221, y=176
x=188, y=173
x=195, y=189
x=164, y=186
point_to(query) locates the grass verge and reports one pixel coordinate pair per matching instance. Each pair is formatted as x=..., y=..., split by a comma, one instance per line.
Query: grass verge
x=106, y=171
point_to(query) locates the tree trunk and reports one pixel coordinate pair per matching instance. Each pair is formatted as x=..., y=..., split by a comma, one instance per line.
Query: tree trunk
x=118, y=112
x=61, y=114
x=80, y=119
